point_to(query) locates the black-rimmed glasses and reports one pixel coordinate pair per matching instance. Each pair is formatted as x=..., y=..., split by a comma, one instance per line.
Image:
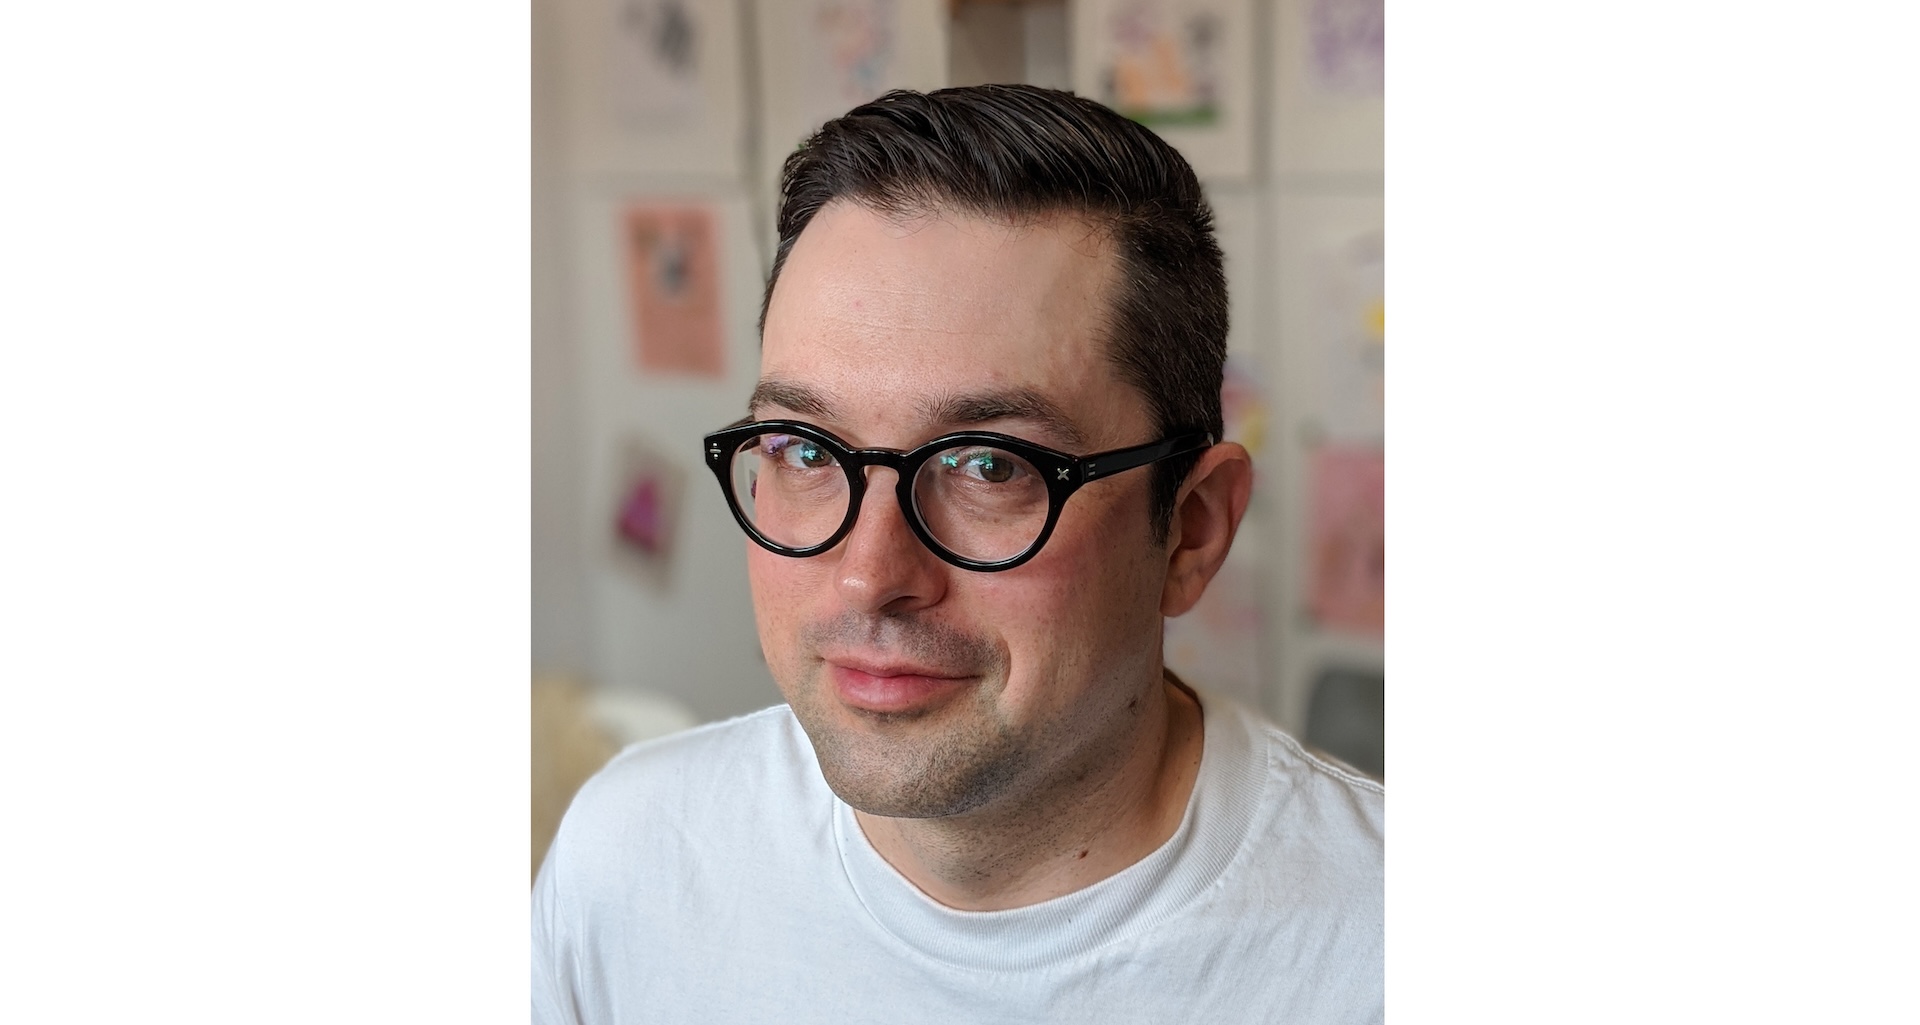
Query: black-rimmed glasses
x=980, y=501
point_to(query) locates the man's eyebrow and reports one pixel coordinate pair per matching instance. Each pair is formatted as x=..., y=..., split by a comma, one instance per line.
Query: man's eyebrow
x=789, y=395
x=1010, y=404
x=948, y=412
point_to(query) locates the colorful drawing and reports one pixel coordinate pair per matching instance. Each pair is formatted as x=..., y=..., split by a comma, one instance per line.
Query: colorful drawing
x=649, y=491
x=1347, y=541
x=642, y=521
x=673, y=274
x=1347, y=40
x=819, y=59
x=1182, y=67
x=854, y=41
x=653, y=67
x=1162, y=61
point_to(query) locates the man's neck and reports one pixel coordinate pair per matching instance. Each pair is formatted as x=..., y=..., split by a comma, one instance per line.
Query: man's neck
x=1071, y=837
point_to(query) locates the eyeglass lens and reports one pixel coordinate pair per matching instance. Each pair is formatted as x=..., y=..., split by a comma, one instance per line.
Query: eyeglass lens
x=979, y=502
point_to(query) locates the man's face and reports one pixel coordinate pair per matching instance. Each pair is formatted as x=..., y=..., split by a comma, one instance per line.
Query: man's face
x=930, y=690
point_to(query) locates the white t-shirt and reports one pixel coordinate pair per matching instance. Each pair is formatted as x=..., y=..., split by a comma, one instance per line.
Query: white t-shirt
x=712, y=876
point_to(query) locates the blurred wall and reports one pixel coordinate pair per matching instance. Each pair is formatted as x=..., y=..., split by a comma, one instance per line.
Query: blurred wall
x=1297, y=225
x=560, y=610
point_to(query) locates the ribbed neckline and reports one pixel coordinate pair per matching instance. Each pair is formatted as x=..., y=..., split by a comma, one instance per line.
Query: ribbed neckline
x=1227, y=793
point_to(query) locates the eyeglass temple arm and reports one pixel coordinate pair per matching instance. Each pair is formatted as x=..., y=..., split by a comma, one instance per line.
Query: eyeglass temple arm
x=1106, y=464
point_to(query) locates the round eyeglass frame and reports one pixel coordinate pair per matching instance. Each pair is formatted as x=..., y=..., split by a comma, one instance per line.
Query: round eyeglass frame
x=1063, y=474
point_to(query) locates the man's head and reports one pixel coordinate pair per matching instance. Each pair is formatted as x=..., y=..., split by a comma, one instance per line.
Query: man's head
x=1015, y=153
x=1021, y=262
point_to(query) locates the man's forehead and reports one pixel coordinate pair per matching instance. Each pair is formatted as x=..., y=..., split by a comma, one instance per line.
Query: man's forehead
x=944, y=321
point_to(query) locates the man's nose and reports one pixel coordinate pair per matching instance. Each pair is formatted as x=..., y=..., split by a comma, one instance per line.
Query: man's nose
x=884, y=568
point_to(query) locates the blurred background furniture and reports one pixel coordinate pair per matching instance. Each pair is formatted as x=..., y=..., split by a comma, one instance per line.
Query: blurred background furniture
x=576, y=729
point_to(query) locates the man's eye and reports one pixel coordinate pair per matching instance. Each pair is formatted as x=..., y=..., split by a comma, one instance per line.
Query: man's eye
x=992, y=467
x=798, y=452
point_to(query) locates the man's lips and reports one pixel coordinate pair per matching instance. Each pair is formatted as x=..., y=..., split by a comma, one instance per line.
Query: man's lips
x=880, y=687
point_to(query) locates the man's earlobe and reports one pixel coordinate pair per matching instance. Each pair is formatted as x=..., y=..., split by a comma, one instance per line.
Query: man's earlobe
x=1205, y=519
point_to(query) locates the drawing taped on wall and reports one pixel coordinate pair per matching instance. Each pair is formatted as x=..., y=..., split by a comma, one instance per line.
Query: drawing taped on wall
x=673, y=273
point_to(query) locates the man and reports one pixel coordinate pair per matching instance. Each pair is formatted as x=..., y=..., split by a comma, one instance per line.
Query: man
x=982, y=462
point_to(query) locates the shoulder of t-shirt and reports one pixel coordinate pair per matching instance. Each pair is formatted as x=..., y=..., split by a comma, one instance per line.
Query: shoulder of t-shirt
x=1349, y=804
x=1318, y=764
x=682, y=779
x=714, y=751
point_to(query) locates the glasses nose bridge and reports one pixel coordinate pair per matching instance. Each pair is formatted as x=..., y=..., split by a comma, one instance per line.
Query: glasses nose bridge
x=894, y=459
x=863, y=459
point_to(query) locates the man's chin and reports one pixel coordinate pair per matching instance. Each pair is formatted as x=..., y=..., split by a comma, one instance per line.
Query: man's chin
x=895, y=795
x=915, y=767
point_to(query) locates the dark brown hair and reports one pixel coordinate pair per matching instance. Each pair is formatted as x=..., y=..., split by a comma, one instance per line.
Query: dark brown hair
x=1018, y=152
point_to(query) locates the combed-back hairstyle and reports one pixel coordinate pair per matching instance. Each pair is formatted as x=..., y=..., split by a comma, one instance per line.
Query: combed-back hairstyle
x=1015, y=153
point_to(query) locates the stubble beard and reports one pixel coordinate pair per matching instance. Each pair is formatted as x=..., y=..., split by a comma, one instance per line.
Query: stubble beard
x=944, y=762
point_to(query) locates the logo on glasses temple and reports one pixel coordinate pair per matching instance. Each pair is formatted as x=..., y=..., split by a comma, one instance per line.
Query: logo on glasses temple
x=1062, y=474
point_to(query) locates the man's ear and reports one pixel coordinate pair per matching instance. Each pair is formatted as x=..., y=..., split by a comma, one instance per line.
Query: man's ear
x=1205, y=517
